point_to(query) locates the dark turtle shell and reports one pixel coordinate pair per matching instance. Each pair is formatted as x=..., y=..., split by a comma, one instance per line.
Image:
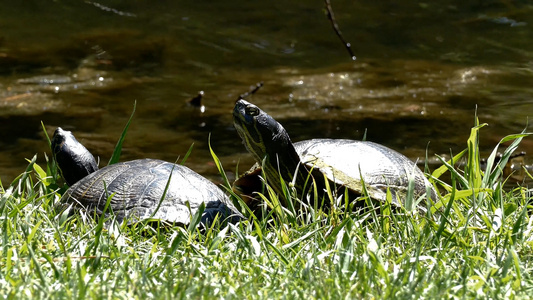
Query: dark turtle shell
x=137, y=189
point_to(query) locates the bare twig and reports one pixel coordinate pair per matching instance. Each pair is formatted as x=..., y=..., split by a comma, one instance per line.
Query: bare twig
x=197, y=100
x=251, y=92
x=331, y=18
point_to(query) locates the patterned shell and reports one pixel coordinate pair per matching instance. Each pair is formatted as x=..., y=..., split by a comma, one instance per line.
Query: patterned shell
x=137, y=189
x=350, y=162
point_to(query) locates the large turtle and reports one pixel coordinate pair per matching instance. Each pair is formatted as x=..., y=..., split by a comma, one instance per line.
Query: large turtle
x=137, y=187
x=345, y=163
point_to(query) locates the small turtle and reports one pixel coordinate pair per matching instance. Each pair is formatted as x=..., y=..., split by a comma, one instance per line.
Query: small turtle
x=345, y=163
x=137, y=187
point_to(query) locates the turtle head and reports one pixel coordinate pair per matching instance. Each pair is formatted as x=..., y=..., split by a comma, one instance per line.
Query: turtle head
x=269, y=144
x=261, y=134
x=73, y=159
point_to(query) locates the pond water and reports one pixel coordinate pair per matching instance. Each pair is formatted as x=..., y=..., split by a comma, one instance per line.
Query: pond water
x=423, y=71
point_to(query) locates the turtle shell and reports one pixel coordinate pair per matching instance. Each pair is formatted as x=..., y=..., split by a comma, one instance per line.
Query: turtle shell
x=137, y=189
x=349, y=163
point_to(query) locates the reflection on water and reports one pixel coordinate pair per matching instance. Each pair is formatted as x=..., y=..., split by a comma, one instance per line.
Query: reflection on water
x=423, y=72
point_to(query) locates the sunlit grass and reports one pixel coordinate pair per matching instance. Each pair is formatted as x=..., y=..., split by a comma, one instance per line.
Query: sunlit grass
x=475, y=242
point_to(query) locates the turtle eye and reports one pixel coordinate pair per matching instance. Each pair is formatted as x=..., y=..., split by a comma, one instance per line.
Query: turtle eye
x=252, y=110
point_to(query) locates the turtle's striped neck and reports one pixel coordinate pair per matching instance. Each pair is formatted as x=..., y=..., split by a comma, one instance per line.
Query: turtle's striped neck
x=270, y=145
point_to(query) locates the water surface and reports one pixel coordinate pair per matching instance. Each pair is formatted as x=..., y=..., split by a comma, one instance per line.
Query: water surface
x=423, y=72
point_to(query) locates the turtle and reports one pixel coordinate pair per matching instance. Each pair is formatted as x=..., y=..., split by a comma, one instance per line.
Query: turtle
x=346, y=164
x=137, y=187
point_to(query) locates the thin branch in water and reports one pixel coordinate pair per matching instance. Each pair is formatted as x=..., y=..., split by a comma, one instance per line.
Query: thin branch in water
x=251, y=92
x=111, y=10
x=197, y=100
x=331, y=18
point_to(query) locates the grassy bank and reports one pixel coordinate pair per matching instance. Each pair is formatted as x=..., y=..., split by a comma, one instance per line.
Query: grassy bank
x=476, y=242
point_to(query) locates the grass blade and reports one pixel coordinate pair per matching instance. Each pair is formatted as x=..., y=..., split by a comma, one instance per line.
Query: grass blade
x=118, y=148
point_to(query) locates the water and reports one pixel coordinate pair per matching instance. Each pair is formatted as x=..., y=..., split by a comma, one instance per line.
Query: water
x=423, y=71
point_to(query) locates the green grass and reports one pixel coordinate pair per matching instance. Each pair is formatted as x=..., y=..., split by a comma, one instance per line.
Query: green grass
x=476, y=242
